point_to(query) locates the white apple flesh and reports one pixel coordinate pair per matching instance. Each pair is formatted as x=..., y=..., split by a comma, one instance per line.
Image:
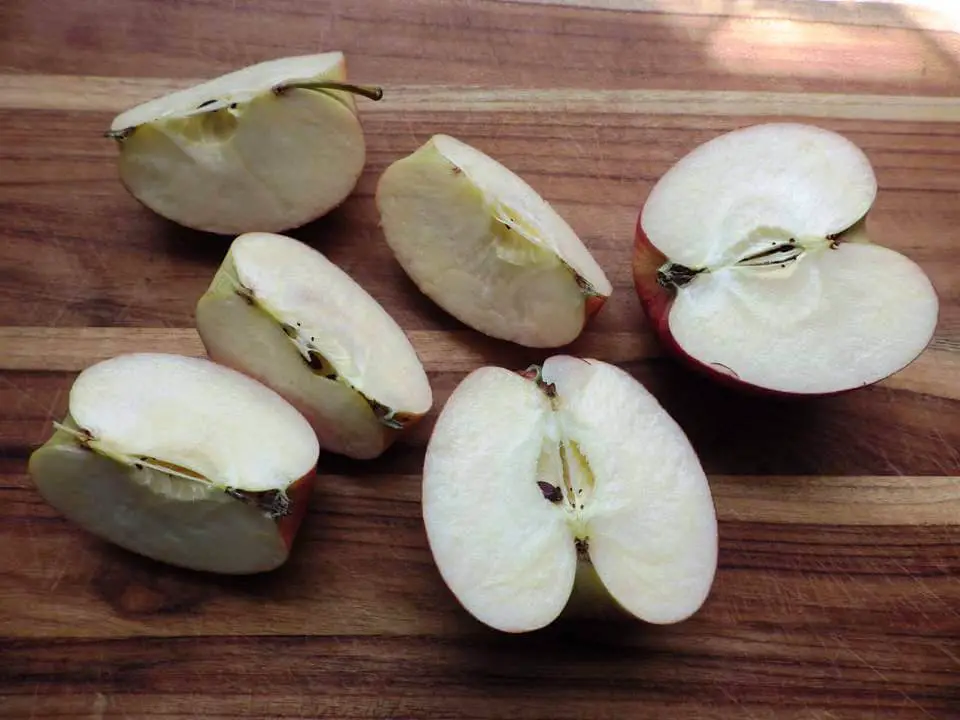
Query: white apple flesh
x=528, y=478
x=268, y=147
x=753, y=264
x=181, y=460
x=483, y=245
x=281, y=312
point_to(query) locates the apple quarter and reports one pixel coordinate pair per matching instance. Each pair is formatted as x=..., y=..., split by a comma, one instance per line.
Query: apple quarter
x=482, y=244
x=181, y=460
x=268, y=147
x=529, y=476
x=279, y=311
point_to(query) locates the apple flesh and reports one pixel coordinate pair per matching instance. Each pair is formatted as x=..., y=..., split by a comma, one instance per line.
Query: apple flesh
x=281, y=312
x=753, y=264
x=181, y=460
x=268, y=147
x=483, y=245
x=530, y=477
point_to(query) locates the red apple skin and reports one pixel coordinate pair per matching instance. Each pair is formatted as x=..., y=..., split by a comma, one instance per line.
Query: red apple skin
x=592, y=306
x=657, y=300
x=299, y=496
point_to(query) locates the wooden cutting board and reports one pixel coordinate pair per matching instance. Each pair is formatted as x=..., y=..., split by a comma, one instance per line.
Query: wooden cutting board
x=838, y=592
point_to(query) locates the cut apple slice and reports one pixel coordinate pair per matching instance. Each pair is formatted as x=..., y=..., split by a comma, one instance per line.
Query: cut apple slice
x=269, y=147
x=485, y=247
x=753, y=263
x=181, y=460
x=528, y=475
x=279, y=311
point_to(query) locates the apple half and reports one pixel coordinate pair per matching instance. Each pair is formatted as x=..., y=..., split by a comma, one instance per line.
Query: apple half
x=281, y=312
x=269, y=147
x=531, y=476
x=181, y=460
x=753, y=264
x=483, y=245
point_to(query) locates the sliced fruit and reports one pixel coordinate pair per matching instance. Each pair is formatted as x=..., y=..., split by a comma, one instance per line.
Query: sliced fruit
x=268, y=147
x=484, y=246
x=753, y=264
x=279, y=311
x=181, y=460
x=527, y=475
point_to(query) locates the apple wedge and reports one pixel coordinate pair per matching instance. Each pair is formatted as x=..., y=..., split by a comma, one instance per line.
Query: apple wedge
x=530, y=477
x=483, y=245
x=279, y=311
x=753, y=264
x=181, y=460
x=269, y=147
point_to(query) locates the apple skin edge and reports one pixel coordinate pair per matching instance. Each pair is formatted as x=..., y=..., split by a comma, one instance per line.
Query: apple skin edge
x=592, y=306
x=657, y=301
x=298, y=494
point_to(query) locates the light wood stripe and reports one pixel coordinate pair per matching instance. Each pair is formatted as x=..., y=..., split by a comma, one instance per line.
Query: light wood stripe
x=929, y=15
x=822, y=500
x=72, y=349
x=854, y=500
x=113, y=94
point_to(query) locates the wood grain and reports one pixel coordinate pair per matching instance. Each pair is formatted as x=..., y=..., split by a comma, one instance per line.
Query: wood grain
x=72, y=349
x=838, y=591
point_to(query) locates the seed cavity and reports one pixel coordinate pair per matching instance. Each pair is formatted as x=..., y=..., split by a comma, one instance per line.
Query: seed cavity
x=777, y=254
x=274, y=503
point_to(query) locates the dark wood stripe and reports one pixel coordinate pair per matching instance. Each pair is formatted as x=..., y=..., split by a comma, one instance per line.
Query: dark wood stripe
x=486, y=675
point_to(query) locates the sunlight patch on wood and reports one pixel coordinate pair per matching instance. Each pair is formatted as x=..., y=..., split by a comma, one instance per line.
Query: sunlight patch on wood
x=930, y=15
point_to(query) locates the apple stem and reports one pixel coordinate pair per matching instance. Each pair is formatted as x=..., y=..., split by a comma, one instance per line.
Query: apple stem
x=373, y=92
x=83, y=436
